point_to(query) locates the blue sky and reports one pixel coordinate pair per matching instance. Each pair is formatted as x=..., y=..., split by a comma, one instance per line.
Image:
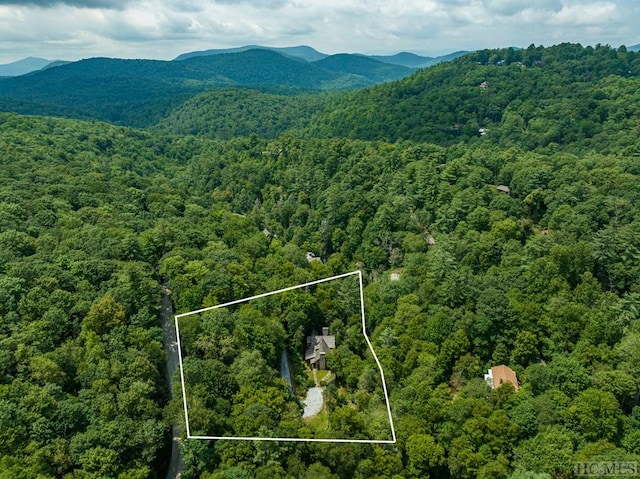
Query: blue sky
x=162, y=29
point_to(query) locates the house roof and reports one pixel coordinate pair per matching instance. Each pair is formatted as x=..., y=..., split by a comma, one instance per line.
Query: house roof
x=329, y=342
x=318, y=345
x=503, y=374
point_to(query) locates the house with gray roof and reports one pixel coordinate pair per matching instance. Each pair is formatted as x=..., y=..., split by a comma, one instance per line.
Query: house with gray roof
x=318, y=345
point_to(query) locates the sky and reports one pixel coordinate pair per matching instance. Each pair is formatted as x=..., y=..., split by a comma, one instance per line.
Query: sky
x=162, y=29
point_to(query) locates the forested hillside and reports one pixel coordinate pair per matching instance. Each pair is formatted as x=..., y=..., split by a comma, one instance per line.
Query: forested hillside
x=541, y=274
x=140, y=92
x=238, y=112
x=559, y=94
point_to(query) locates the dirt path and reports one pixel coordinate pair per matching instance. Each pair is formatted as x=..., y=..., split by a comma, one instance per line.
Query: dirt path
x=171, y=348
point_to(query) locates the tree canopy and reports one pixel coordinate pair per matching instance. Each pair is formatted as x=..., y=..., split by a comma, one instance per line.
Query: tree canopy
x=516, y=247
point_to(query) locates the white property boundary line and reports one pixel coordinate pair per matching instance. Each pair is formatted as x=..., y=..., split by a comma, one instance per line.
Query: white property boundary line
x=290, y=439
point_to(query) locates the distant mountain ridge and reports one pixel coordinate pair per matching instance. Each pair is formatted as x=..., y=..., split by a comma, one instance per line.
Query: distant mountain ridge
x=302, y=51
x=407, y=59
x=363, y=66
x=310, y=54
x=24, y=66
x=412, y=60
x=139, y=92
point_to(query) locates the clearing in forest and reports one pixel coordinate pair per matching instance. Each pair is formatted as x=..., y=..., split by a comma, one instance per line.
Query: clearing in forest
x=250, y=367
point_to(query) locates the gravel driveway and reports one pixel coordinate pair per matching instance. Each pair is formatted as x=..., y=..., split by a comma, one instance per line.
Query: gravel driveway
x=313, y=402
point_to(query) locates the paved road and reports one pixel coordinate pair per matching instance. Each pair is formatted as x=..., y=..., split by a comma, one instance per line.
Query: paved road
x=171, y=348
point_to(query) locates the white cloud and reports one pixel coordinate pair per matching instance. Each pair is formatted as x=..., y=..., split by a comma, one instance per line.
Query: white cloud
x=116, y=4
x=599, y=13
x=514, y=7
x=269, y=4
x=72, y=29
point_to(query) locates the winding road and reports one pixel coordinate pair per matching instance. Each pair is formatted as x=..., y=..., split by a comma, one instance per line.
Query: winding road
x=171, y=348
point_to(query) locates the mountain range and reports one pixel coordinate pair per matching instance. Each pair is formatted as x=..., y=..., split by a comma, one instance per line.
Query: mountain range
x=303, y=52
x=405, y=59
x=281, y=88
x=138, y=92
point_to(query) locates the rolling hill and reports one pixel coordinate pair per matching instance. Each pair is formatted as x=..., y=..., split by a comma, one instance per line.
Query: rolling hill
x=139, y=92
x=492, y=93
x=235, y=112
x=364, y=67
x=451, y=101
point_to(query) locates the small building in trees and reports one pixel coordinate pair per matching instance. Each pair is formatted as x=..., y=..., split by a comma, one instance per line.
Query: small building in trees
x=318, y=345
x=311, y=257
x=499, y=375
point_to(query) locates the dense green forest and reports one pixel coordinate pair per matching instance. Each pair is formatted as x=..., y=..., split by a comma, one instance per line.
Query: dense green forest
x=140, y=92
x=232, y=356
x=542, y=275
